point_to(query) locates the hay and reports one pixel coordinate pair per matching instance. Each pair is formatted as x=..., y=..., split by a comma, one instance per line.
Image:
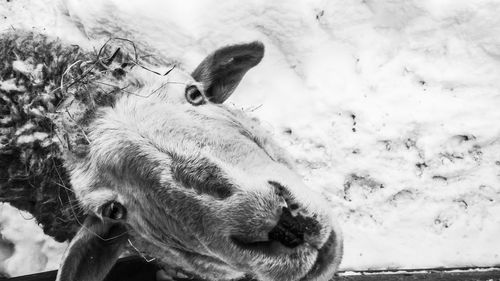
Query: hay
x=49, y=93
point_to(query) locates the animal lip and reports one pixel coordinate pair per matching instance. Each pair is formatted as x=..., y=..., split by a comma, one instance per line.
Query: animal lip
x=268, y=247
x=326, y=256
x=326, y=261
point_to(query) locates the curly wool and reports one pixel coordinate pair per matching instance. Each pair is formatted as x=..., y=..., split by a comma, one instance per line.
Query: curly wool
x=48, y=94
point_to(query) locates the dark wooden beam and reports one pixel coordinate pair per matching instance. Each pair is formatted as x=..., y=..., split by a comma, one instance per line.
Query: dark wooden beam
x=126, y=269
x=432, y=275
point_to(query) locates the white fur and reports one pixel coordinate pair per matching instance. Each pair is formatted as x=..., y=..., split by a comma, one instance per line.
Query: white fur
x=134, y=146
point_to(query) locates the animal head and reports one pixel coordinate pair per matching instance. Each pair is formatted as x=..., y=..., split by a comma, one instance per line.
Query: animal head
x=179, y=177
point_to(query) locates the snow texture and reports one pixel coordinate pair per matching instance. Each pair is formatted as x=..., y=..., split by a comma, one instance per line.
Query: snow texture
x=24, y=249
x=390, y=108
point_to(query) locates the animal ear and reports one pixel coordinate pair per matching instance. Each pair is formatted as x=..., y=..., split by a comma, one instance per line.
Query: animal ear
x=93, y=251
x=223, y=70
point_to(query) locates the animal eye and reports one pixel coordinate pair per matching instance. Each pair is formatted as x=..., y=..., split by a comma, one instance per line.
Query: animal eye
x=194, y=96
x=114, y=211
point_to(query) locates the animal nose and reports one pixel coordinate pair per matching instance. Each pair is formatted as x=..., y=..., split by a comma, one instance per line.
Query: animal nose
x=291, y=230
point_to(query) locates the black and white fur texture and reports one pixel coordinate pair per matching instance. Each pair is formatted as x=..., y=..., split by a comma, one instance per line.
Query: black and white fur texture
x=196, y=185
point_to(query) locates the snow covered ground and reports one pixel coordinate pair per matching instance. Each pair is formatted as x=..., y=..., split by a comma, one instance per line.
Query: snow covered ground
x=391, y=109
x=24, y=249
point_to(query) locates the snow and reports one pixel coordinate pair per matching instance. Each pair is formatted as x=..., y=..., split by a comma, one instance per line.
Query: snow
x=33, y=251
x=390, y=107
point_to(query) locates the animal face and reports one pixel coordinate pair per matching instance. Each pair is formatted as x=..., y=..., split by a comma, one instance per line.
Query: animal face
x=181, y=178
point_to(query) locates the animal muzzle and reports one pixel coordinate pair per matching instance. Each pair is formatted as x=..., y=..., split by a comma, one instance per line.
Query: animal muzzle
x=279, y=237
x=279, y=217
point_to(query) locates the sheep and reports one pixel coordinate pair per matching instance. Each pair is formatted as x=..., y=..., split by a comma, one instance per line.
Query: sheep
x=169, y=172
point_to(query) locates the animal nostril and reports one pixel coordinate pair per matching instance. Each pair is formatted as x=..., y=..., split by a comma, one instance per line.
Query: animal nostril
x=285, y=195
x=290, y=230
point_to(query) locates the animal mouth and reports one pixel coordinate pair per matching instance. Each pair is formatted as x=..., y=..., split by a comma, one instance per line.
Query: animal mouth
x=322, y=267
x=268, y=248
x=327, y=256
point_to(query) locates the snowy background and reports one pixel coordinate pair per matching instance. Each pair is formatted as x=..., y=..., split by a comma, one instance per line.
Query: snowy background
x=391, y=108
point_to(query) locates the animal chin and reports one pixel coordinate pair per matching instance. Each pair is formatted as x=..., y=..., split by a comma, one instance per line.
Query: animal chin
x=204, y=267
x=327, y=260
x=325, y=264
